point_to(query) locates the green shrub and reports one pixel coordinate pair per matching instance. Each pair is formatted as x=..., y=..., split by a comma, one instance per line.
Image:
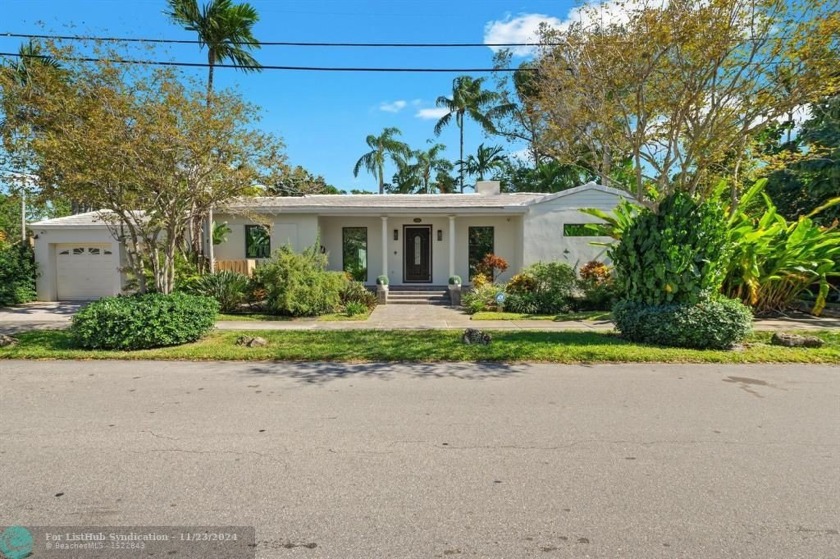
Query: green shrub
x=143, y=321
x=354, y=307
x=229, y=288
x=523, y=282
x=482, y=298
x=709, y=324
x=356, y=292
x=775, y=261
x=522, y=303
x=554, y=285
x=674, y=255
x=597, y=288
x=17, y=274
x=298, y=284
x=382, y=280
x=454, y=280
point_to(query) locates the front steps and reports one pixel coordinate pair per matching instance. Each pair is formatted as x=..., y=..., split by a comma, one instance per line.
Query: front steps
x=418, y=296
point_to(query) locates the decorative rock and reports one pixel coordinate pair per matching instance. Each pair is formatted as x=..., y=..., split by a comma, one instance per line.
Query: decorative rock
x=793, y=340
x=473, y=336
x=258, y=342
x=7, y=340
x=248, y=341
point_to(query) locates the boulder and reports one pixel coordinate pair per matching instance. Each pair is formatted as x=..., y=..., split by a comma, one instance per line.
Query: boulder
x=473, y=336
x=248, y=341
x=7, y=340
x=794, y=340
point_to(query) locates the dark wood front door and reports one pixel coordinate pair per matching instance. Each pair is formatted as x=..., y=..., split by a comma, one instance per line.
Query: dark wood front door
x=417, y=251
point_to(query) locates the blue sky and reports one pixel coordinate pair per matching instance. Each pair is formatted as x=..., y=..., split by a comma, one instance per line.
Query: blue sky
x=324, y=117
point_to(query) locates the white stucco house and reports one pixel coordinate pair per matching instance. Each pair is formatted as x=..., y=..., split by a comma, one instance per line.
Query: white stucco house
x=414, y=239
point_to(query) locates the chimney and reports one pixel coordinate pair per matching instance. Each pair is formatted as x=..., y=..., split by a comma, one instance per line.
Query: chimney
x=488, y=187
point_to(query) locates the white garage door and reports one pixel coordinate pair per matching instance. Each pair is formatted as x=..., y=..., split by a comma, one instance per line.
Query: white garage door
x=85, y=271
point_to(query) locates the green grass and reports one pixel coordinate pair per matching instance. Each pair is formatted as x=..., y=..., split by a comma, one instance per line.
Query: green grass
x=429, y=345
x=260, y=317
x=584, y=315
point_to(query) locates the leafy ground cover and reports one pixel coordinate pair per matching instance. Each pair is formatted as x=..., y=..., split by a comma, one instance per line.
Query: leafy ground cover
x=430, y=346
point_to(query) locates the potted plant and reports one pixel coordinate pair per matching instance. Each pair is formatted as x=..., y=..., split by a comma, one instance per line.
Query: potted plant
x=455, y=291
x=382, y=289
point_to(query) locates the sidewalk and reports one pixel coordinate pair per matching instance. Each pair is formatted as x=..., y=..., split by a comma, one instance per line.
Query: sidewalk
x=437, y=317
x=43, y=316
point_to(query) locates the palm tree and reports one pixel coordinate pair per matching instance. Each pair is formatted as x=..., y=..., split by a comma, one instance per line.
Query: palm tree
x=224, y=28
x=485, y=160
x=415, y=176
x=382, y=146
x=469, y=99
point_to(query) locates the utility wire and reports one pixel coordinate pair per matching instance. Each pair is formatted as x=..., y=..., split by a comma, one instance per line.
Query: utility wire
x=271, y=43
x=265, y=67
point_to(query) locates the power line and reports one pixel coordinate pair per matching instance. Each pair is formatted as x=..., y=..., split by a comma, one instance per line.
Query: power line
x=273, y=43
x=265, y=67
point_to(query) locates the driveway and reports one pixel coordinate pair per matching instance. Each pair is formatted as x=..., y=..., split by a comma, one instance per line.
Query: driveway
x=38, y=315
x=454, y=460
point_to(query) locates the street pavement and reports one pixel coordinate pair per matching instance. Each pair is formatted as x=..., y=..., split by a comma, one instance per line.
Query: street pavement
x=433, y=460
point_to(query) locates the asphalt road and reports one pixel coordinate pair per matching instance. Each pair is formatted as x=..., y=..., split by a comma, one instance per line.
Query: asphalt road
x=458, y=460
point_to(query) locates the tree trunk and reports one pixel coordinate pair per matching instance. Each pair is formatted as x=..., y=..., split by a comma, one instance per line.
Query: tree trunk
x=461, y=128
x=381, y=180
x=211, y=63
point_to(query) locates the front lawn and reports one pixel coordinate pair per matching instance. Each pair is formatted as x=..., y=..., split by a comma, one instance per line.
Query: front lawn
x=429, y=345
x=563, y=317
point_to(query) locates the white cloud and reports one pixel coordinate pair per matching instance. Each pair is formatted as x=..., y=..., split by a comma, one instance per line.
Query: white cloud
x=432, y=114
x=522, y=29
x=393, y=106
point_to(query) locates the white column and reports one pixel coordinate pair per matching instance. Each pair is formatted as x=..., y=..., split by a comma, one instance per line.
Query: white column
x=451, y=245
x=384, y=245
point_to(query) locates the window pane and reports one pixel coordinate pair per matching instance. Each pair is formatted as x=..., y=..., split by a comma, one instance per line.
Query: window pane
x=354, y=252
x=257, y=242
x=481, y=244
x=582, y=230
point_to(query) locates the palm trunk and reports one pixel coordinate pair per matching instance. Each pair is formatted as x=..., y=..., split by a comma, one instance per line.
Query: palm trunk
x=381, y=181
x=462, y=155
x=211, y=63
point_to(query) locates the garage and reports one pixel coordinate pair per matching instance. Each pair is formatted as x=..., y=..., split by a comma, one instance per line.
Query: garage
x=84, y=271
x=78, y=258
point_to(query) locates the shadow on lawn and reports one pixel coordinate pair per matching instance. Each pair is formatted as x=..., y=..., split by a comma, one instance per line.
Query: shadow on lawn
x=320, y=372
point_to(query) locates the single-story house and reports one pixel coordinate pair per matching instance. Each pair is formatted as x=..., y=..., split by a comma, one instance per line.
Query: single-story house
x=414, y=239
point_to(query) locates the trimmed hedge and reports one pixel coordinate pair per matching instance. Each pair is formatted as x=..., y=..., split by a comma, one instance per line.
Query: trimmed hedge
x=144, y=321
x=710, y=324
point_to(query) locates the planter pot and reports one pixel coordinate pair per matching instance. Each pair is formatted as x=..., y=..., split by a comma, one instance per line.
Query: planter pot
x=455, y=295
x=382, y=294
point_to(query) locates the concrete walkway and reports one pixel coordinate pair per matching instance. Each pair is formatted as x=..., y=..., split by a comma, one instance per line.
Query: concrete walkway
x=42, y=316
x=437, y=317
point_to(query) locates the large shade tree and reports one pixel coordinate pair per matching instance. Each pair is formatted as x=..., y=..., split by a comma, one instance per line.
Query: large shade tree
x=140, y=144
x=470, y=99
x=681, y=87
x=382, y=147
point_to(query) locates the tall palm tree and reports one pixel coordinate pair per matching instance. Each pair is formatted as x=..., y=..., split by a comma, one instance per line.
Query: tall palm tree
x=485, y=160
x=415, y=175
x=224, y=28
x=383, y=146
x=469, y=99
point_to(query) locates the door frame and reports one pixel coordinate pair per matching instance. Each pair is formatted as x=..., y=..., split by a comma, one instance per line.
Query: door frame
x=405, y=252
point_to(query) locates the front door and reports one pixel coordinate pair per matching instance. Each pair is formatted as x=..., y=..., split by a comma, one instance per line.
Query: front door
x=417, y=265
